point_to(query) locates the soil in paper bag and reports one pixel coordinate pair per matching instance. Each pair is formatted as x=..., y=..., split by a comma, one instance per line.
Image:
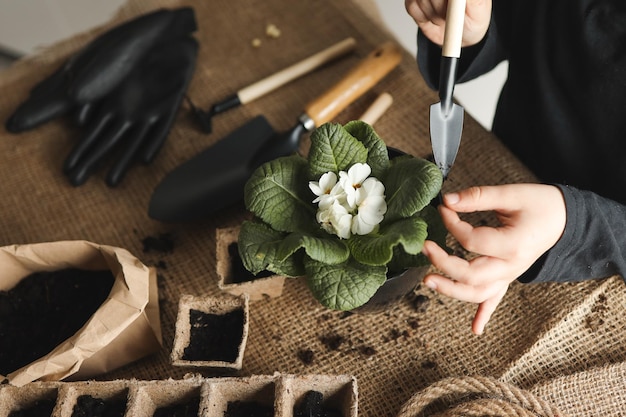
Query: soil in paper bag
x=46, y=308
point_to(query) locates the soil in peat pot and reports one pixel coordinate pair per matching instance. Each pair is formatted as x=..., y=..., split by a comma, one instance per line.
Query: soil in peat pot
x=40, y=408
x=248, y=409
x=46, y=308
x=312, y=405
x=239, y=273
x=88, y=406
x=214, y=337
x=188, y=408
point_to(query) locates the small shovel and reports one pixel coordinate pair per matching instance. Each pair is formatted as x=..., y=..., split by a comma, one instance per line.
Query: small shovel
x=274, y=81
x=214, y=179
x=446, y=117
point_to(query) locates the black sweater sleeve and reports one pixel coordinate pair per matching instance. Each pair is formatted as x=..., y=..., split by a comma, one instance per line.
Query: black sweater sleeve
x=593, y=244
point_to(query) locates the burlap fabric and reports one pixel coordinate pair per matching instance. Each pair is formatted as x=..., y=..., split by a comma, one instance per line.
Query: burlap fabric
x=541, y=336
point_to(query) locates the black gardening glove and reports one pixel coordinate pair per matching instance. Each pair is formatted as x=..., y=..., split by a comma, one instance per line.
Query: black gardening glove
x=133, y=121
x=97, y=69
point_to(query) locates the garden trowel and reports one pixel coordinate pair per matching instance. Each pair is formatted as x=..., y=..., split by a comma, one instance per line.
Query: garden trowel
x=215, y=178
x=272, y=82
x=446, y=117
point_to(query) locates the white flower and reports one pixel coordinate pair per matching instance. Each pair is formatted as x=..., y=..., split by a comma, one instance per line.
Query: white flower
x=371, y=187
x=336, y=220
x=353, y=205
x=371, y=207
x=370, y=214
x=352, y=180
x=324, y=186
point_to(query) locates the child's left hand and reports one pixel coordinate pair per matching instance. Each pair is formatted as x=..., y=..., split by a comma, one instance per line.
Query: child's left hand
x=532, y=218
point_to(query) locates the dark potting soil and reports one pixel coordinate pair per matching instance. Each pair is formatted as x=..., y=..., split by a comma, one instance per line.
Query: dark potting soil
x=184, y=409
x=312, y=405
x=239, y=272
x=40, y=408
x=332, y=341
x=306, y=356
x=88, y=406
x=214, y=337
x=248, y=409
x=46, y=308
x=163, y=243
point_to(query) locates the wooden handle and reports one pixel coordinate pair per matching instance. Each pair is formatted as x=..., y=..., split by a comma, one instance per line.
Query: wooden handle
x=377, y=108
x=453, y=35
x=357, y=81
x=264, y=86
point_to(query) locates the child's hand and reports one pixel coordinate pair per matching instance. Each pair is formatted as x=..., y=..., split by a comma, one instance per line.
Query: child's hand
x=430, y=16
x=532, y=218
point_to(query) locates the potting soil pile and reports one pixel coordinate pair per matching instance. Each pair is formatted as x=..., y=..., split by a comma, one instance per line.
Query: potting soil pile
x=555, y=344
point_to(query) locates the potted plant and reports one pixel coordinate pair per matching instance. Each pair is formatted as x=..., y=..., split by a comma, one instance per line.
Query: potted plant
x=347, y=217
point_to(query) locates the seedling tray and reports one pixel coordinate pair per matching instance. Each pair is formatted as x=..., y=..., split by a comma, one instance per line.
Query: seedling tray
x=211, y=397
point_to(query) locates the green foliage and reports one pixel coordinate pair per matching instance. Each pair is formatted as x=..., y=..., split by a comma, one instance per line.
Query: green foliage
x=342, y=274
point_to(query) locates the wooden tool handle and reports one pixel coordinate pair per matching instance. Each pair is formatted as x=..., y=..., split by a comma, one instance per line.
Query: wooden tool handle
x=377, y=108
x=357, y=81
x=264, y=86
x=453, y=35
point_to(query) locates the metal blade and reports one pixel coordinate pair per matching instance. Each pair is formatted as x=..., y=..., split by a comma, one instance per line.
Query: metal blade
x=445, y=135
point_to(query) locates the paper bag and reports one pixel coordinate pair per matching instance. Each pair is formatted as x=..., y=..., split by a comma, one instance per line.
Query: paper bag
x=125, y=327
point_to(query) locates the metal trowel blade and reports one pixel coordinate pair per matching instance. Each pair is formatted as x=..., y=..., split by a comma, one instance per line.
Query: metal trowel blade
x=445, y=135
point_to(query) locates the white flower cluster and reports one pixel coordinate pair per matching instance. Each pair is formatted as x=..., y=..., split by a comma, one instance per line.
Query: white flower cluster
x=353, y=205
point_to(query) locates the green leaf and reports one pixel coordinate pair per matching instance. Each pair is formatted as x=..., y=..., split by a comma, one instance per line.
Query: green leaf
x=328, y=250
x=436, y=232
x=258, y=247
x=333, y=149
x=344, y=286
x=377, y=156
x=402, y=260
x=278, y=193
x=410, y=185
x=377, y=248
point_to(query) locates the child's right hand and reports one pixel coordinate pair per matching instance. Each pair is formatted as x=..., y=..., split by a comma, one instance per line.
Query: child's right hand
x=430, y=16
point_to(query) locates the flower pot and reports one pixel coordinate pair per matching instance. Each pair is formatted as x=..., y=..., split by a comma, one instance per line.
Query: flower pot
x=211, y=332
x=233, y=278
x=393, y=289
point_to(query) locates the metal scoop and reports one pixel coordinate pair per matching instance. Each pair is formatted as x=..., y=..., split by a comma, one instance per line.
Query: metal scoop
x=446, y=117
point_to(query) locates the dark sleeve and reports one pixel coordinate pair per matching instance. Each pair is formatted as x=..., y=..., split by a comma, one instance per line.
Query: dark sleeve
x=475, y=60
x=593, y=244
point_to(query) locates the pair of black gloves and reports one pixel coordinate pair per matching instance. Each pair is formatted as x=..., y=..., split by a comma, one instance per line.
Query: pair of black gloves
x=124, y=89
